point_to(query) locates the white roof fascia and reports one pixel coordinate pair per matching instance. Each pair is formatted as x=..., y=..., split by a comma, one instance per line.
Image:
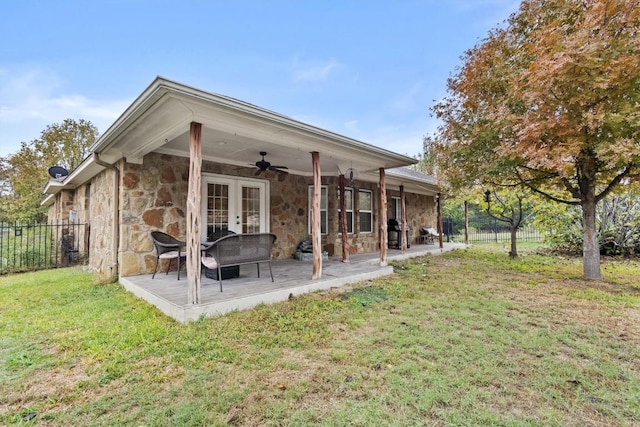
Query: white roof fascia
x=49, y=200
x=141, y=104
x=53, y=186
x=76, y=178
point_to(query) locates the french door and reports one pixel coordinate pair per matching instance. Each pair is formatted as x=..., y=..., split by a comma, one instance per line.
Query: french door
x=236, y=204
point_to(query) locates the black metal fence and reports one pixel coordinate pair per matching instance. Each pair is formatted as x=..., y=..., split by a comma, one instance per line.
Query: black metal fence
x=488, y=231
x=28, y=246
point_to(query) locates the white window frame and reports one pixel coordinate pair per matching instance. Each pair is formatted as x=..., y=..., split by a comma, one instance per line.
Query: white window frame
x=324, y=196
x=350, y=224
x=235, y=203
x=397, y=208
x=369, y=211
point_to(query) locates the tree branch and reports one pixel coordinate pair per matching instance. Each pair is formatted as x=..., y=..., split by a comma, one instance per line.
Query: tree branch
x=527, y=183
x=614, y=182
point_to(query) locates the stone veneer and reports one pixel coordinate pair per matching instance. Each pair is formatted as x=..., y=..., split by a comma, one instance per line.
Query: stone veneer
x=59, y=213
x=421, y=212
x=101, y=205
x=153, y=197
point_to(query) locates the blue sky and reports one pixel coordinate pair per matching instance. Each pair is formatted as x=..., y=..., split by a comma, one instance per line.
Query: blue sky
x=369, y=70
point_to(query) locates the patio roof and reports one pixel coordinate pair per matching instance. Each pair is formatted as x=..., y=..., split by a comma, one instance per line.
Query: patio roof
x=233, y=132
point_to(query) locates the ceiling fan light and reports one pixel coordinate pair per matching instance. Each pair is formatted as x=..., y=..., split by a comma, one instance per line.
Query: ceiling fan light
x=351, y=175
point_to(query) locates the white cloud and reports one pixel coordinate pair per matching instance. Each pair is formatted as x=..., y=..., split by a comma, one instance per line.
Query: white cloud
x=32, y=100
x=313, y=71
x=409, y=100
x=352, y=125
x=406, y=140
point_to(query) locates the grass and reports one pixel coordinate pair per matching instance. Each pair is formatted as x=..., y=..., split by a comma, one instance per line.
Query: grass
x=467, y=338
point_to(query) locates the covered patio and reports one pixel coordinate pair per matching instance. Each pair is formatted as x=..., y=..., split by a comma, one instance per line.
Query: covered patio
x=292, y=278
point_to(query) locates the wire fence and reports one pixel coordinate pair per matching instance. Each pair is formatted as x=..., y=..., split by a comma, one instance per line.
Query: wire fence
x=26, y=246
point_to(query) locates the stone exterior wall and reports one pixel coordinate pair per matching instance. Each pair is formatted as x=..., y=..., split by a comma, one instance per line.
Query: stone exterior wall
x=153, y=197
x=100, y=205
x=289, y=221
x=63, y=204
x=154, y=194
x=358, y=241
x=71, y=237
x=420, y=212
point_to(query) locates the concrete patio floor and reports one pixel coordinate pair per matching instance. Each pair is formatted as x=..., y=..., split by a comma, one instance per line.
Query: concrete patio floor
x=291, y=278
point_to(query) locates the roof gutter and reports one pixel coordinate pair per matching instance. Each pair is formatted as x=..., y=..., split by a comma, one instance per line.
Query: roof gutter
x=116, y=211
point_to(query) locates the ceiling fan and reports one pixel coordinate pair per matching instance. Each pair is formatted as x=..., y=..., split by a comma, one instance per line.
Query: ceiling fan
x=264, y=165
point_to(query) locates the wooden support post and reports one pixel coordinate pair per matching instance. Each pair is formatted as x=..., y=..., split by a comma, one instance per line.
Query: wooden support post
x=403, y=221
x=440, y=231
x=315, y=217
x=343, y=221
x=466, y=222
x=194, y=213
x=383, y=220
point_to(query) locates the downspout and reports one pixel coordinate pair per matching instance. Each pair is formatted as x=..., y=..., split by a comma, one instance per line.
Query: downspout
x=116, y=211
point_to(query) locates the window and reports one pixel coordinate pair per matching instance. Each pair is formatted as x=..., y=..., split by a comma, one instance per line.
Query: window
x=397, y=208
x=348, y=207
x=324, y=218
x=365, y=211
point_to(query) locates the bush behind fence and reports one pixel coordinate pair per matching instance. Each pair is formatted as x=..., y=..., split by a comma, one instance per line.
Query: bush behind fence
x=26, y=246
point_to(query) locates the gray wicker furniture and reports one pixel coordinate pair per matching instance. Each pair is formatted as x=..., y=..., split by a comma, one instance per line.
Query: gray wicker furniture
x=227, y=272
x=218, y=234
x=236, y=250
x=169, y=248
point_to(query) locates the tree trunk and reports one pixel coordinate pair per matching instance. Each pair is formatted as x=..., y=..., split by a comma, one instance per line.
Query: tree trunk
x=193, y=214
x=403, y=221
x=466, y=222
x=590, y=246
x=513, y=253
x=383, y=220
x=315, y=217
x=439, y=219
x=343, y=222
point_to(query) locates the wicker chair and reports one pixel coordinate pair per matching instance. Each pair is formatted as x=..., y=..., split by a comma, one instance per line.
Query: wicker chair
x=169, y=248
x=238, y=249
x=218, y=234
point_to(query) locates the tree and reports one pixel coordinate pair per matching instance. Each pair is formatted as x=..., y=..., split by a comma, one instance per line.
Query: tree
x=24, y=174
x=550, y=102
x=512, y=208
x=426, y=162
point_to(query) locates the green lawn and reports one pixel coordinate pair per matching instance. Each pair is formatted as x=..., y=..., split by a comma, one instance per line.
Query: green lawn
x=467, y=338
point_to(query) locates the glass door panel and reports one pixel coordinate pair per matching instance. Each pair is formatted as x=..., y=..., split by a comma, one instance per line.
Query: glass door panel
x=251, y=212
x=239, y=205
x=217, y=199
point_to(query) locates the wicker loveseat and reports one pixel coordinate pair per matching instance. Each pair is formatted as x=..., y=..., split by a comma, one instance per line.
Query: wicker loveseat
x=236, y=250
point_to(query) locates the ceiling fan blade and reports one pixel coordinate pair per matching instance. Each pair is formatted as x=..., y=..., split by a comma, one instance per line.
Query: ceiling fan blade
x=278, y=167
x=275, y=169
